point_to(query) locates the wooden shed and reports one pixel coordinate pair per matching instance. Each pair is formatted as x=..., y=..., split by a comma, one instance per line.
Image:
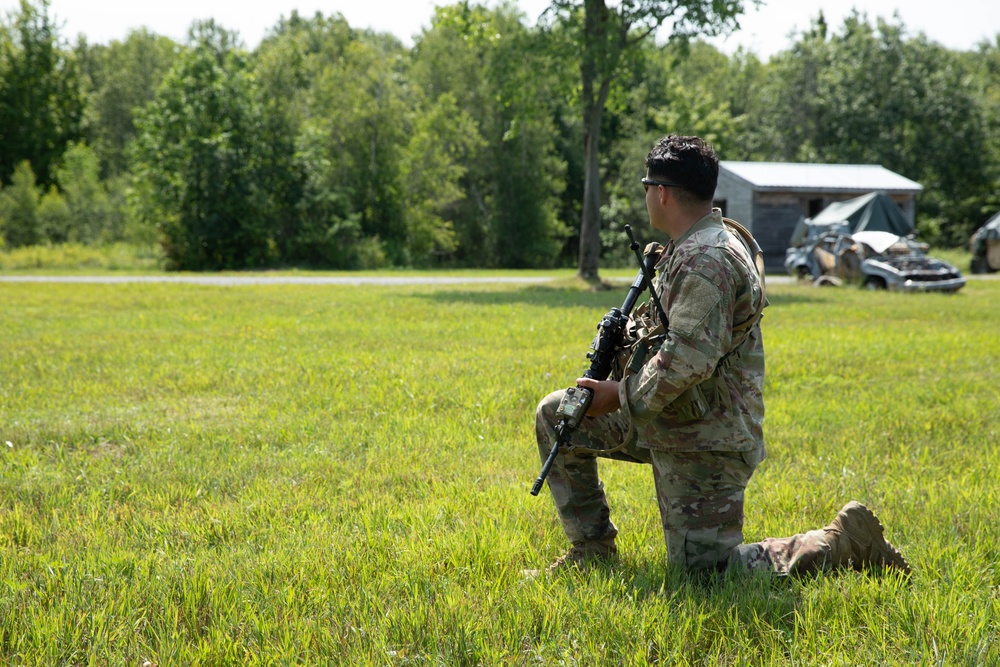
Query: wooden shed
x=770, y=198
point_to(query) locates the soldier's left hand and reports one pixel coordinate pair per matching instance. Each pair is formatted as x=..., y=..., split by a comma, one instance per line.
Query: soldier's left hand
x=605, y=396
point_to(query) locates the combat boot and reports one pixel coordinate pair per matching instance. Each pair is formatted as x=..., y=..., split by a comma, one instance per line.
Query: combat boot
x=856, y=540
x=582, y=555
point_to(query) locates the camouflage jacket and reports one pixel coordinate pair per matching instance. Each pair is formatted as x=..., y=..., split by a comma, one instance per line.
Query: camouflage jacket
x=699, y=386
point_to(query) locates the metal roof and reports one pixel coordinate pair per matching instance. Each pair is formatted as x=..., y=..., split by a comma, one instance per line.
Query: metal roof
x=812, y=177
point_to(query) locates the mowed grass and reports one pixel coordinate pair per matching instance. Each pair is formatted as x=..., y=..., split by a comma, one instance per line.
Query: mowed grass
x=277, y=475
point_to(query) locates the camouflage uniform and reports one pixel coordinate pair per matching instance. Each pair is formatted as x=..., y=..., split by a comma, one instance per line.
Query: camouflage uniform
x=692, y=406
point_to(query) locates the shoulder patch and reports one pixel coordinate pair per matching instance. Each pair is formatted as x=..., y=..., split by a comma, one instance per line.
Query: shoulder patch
x=698, y=297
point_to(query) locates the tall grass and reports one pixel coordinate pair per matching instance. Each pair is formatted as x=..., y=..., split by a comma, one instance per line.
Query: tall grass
x=338, y=475
x=75, y=256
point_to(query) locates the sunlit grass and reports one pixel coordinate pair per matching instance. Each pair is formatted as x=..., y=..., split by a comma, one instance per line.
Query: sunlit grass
x=73, y=257
x=339, y=475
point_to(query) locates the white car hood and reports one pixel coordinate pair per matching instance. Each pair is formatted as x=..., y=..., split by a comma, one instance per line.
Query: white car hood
x=878, y=241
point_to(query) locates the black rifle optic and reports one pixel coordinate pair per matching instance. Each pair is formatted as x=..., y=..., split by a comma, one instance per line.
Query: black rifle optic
x=610, y=334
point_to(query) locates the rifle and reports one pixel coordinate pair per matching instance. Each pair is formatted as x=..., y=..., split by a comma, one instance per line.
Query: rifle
x=610, y=334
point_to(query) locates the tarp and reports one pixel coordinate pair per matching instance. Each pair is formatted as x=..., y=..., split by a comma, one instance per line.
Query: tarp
x=985, y=246
x=873, y=212
x=991, y=230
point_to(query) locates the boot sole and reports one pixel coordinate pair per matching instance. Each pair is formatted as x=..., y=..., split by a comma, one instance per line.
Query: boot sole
x=883, y=552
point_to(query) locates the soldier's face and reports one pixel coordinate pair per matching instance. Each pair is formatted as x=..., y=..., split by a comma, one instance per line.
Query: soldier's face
x=654, y=206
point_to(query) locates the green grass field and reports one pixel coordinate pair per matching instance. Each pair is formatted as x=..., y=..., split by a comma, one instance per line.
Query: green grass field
x=278, y=475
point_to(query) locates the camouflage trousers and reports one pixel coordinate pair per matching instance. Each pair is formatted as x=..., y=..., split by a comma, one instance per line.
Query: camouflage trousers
x=700, y=497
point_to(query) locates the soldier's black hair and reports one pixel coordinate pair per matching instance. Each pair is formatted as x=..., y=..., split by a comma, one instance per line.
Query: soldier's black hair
x=689, y=162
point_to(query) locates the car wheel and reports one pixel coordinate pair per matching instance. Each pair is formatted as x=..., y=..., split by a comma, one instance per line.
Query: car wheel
x=978, y=265
x=874, y=283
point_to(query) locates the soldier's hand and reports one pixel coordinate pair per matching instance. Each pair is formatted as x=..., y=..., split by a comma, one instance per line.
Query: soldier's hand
x=605, y=396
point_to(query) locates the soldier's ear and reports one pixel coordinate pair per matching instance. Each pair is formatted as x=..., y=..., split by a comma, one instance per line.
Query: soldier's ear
x=664, y=193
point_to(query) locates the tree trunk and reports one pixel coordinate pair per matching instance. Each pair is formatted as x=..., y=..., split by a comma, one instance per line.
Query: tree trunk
x=595, y=68
x=590, y=225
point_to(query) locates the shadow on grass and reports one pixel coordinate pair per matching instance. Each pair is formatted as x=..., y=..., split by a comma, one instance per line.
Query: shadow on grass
x=539, y=295
x=747, y=600
x=574, y=297
x=752, y=598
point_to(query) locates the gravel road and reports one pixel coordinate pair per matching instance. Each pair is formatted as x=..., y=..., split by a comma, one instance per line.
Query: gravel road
x=277, y=280
x=298, y=280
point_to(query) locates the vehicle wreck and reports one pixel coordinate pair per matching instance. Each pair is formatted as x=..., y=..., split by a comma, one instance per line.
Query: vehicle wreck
x=985, y=247
x=851, y=243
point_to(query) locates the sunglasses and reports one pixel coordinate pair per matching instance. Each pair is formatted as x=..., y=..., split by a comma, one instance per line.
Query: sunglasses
x=646, y=182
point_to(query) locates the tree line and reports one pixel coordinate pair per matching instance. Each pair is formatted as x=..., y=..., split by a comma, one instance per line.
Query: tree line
x=327, y=146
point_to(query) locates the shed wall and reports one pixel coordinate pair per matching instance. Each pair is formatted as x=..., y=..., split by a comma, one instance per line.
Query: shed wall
x=776, y=215
x=738, y=197
x=771, y=216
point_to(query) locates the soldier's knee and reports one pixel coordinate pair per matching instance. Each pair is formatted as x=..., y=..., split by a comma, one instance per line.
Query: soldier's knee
x=546, y=410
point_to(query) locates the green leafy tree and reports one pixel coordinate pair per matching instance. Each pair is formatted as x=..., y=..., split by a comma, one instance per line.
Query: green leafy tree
x=91, y=210
x=744, y=85
x=715, y=94
x=279, y=79
x=311, y=44
x=19, y=221
x=198, y=154
x=41, y=98
x=55, y=220
x=870, y=94
x=431, y=170
x=498, y=73
x=328, y=232
x=123, y=76
x=355, y=129
x=601, y=37
x=314, y=222
x=984, y=64
x=530, y=174
x=678, y=88
x=339, y=115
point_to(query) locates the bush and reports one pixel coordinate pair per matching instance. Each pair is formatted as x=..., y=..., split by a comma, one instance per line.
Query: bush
x=19, y=204
x=74, y=256
x=55, y=220
x=91, y=210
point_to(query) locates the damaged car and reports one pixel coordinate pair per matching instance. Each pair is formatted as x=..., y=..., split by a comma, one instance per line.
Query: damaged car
x=830, y=257
x=875, y=260
x=867, y=241
x=901, y=263
x=985, y=247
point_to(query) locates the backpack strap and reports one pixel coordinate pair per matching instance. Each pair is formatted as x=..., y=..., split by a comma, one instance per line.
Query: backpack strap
x=751, y=245
x=742, y=330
